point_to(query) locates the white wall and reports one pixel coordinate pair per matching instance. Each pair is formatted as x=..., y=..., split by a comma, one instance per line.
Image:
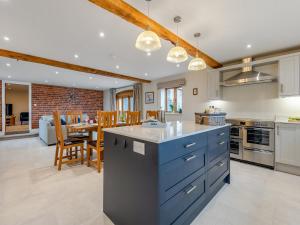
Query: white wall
x=106, y=100
x=259, y=100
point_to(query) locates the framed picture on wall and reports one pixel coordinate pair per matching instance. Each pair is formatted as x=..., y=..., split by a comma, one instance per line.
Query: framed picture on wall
x=195, y=91
x=149, y=97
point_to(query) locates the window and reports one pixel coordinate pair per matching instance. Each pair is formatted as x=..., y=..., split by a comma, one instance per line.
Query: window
x=171, y=99
x=125, y=101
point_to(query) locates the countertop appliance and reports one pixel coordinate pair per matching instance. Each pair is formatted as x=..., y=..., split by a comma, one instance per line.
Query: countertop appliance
x=258, y=140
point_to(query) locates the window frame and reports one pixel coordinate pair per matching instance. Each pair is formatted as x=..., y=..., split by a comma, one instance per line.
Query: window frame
x=122, y=95
x=174, y=102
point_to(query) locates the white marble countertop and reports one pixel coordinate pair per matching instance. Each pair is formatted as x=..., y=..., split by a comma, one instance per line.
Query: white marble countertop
x=174, y=130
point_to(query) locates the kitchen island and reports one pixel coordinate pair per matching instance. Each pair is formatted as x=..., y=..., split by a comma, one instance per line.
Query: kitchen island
x=163, y=176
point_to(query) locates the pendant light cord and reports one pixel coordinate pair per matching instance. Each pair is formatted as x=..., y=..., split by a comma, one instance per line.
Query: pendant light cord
x=177, y=39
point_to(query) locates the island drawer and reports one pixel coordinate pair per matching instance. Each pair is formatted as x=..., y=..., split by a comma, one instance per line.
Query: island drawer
x=218, y=135
x=173, y=149
x=173, y=208
x=215, y=150
x=218, y=170
x=173, y=176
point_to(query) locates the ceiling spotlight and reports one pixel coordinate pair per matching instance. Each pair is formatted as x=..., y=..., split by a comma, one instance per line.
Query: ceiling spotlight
x=9, y=76
x=46, y=81
x=177, y=65
x=5, y=38
x=249, y=46
x=101, y=34
x=117, y=67
x=148, y=53
x=76, y=56
x=116, y=82
x=56, y=72
x=8, y=64
x=146, y=74
x=90, y=78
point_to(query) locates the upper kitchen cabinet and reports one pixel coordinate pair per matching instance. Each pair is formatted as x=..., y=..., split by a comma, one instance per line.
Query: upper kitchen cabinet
x=213, y=85
x=287, y=144
x=289, y=76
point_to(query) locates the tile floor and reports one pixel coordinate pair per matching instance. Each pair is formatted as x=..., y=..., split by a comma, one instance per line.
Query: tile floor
x=33, y=192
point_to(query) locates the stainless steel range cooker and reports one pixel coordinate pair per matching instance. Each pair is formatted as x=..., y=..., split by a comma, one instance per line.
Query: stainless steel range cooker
x=253, y=141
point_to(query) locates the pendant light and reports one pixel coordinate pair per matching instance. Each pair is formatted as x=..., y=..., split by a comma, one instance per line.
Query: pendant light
x=177, y=54
x=148, y=41
x=197, y=63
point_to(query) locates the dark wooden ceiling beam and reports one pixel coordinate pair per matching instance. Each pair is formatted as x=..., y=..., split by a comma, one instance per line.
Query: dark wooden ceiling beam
x=68, y=66
x=132, y=15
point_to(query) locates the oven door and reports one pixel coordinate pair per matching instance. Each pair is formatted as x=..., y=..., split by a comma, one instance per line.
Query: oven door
x=236, y=148
x=236, y=131
x=259, y=138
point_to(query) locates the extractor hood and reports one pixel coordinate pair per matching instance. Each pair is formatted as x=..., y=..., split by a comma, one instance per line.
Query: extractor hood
x=248, y=76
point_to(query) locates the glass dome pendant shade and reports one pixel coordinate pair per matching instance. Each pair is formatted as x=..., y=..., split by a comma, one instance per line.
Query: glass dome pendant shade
x=177, y=54
x=148, y=41
x=197, y=63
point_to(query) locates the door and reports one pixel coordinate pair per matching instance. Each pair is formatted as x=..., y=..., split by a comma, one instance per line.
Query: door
x=213, y=85
x=289, y=76
x=287, y=144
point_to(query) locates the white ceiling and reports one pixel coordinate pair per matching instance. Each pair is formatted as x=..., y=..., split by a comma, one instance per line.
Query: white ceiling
x=58, y=29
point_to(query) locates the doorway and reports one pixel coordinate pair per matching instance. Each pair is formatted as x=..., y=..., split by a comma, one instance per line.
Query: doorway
x=16, y=108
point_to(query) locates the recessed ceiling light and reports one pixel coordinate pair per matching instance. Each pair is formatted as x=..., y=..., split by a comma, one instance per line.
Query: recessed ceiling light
x=56, y=72
x=148, y=53
x=46, y=81
x=8, y=64
x=9, y=76
x=177, y=65
x=90, y=78
x=76, y=56
x=101, y=34
x=5, y=38
x=117, y=67
x=249, y=46
x=146, y=74
x=116, y=81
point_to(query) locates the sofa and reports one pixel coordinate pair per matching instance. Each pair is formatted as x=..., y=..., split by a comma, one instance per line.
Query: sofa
x=47, y=128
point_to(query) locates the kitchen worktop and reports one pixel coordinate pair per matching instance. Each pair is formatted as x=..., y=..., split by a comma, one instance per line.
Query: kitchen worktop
x=174, y=130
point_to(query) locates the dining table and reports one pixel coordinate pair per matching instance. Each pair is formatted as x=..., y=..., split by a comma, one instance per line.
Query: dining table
x=88, y=127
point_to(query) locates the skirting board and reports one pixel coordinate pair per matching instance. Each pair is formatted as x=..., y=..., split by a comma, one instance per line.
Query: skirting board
x=287, y=168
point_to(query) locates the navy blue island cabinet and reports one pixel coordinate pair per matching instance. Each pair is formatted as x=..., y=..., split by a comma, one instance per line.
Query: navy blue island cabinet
x=163, y=176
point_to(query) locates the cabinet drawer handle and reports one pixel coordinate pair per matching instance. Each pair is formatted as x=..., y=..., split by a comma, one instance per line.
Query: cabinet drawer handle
x=222, y=143
x=190, y=158
x=220, y=164
x=125, y=144
x=115, y=141
x=190, y=145
x=221, y=134
x=193, y=188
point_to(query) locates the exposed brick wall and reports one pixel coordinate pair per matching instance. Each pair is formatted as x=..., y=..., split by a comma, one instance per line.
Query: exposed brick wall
x=46, y=99
x=0, y=105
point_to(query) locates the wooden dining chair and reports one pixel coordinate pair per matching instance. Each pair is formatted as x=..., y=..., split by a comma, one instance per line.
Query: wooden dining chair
x=66, y=150
x=105, y=120
x=75, y=117
x=152, y=114
x=133, y=118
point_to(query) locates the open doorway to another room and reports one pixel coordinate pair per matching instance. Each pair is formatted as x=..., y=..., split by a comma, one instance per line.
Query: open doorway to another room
x=16, y=109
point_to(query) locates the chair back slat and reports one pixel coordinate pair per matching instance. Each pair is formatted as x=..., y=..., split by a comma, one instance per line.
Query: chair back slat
x=105, y=120
x=58, y=128
x=133, y=118
x=152, y=113
x=73, y=117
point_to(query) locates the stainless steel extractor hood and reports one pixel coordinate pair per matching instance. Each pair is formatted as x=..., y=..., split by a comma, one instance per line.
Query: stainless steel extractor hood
x=248, y=76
